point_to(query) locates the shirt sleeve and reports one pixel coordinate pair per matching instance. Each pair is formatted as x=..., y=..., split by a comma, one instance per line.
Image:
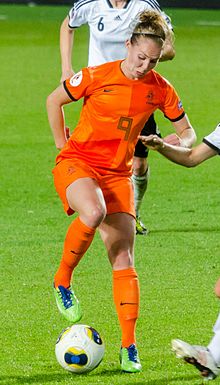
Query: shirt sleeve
x=213, y=140
x=172, y=106
x=153, y=4
x=77, y=86
x=80, y=13
x=168, y=20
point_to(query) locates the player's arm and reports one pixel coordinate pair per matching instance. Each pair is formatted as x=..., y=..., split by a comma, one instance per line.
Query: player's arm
x=66, y=48
x=185, y=135
x=168, y=52
x=189, y=157
x=55, y=102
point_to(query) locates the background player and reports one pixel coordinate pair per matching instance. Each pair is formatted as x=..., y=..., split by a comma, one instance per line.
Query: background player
x=92, y=174
x=205, y=359
x=109, y=24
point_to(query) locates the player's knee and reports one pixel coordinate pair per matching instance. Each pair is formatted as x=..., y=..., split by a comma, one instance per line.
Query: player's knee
x=94, y=216
x=121, y=260
x=140, y=166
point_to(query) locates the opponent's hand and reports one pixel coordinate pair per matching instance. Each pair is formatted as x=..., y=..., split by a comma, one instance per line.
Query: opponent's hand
x=152, y=141
x=173, y=139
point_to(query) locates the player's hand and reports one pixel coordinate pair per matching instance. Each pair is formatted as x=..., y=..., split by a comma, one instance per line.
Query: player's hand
x=152, y=141
x=173, y=139
x=66, y=75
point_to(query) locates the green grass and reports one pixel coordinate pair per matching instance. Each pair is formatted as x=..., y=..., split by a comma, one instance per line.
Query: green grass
x=178, y=263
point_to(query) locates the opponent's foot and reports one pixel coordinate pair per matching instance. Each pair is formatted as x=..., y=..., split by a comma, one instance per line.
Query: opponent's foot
x=140, y=227
x=68, y=304
x=199, y=356
x=129, y=359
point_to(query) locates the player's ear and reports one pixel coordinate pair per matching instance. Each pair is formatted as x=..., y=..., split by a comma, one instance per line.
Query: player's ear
x=127, y=43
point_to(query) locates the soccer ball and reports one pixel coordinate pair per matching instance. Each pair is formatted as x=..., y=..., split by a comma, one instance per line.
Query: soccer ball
x=79, y=348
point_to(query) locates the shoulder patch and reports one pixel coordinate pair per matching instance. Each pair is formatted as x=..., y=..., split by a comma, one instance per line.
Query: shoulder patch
x=180, y=105
x=76, y=79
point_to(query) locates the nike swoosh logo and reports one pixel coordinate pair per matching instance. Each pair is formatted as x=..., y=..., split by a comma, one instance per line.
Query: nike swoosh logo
x=72, y=251
x=105, y=90
x=128, y=303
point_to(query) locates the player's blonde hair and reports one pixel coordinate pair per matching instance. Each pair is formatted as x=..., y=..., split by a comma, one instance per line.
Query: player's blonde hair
x=150, y=24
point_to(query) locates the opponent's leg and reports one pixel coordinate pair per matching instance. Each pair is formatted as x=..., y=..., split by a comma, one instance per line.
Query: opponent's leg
x=196, y=355
x=205, y=359
x=214, y=344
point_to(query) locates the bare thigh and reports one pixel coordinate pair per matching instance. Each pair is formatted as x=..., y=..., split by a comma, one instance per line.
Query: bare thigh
x=85, y=197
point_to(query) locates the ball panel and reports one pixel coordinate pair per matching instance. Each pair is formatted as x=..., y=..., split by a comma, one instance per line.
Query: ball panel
x=79, y=348
x=94, y=335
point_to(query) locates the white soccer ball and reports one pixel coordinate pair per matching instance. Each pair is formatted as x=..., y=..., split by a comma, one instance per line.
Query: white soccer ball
x=79, y=348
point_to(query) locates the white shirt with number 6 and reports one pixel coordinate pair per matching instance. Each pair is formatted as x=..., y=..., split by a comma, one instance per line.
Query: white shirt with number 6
x=109, y=27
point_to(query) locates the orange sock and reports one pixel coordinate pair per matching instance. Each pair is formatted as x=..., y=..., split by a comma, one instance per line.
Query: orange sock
x=127, y=299
x=78, y=238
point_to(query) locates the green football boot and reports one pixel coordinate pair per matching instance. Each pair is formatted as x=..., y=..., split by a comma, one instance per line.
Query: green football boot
x=129, y=359
x=68, y=304
x=140, y=227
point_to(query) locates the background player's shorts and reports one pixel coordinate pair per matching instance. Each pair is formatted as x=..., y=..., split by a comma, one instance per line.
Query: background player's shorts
x=117, y=190
x=150, y=127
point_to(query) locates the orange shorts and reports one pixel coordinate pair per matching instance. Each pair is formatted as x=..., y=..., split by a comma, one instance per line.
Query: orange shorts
x=117, y=190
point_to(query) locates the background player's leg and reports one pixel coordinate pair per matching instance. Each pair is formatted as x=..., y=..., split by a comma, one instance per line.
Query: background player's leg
x=141, y=173
x=140, y=177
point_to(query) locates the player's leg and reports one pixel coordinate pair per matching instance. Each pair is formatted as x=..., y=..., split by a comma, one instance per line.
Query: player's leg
x=198, y=356
x=217, y=288
x=85, y=197
x=141, y=172
x=117, y=232
x=140, y=177
x=205, y=359
x=214, y=345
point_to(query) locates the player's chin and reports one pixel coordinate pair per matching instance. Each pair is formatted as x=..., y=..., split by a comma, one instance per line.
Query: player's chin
x=139, y=74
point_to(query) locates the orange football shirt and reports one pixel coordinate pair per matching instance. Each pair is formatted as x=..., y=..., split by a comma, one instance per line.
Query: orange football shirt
x=114, y=112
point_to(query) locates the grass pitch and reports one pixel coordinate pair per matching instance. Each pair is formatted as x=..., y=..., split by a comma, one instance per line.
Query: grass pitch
x=178, y=263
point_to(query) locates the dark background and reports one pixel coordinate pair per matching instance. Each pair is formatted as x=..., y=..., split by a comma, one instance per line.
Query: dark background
x=212, y=4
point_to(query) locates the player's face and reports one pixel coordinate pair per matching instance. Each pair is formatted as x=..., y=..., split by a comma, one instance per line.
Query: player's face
x=142, y=57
